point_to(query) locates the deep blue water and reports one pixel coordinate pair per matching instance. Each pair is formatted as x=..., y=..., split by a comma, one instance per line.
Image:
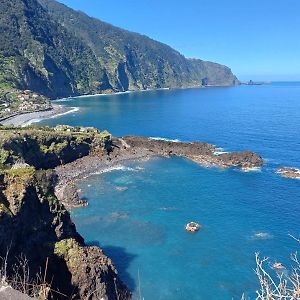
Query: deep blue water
x=142, y=228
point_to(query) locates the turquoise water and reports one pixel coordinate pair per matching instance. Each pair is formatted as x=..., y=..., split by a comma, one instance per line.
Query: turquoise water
x=142, y=228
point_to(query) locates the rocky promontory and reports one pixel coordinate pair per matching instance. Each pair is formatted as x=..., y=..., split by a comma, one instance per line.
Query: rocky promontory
x=122, y=149
x=35, y=226
x=38, y=172
x=202, y=153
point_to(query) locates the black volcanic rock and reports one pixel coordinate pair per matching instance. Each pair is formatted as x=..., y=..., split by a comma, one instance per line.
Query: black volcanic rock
x=53, y=50
x=202, y=153
x=245, y=159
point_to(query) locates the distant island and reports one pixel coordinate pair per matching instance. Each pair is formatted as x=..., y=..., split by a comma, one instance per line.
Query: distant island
x=251, y=82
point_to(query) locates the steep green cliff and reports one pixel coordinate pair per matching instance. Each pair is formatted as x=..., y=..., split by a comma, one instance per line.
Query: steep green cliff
x=55, y=51
x=35, y=224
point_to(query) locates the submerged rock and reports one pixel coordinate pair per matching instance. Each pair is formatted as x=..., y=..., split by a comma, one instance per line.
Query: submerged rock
x=262, y=235
x=121, y=188
x=118, y=216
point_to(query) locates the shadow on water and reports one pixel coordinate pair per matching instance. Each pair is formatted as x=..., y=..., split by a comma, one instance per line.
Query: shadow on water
x=121, y=259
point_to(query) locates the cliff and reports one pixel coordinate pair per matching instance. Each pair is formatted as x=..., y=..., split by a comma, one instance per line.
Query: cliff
x=35, y=225
x=55, y=51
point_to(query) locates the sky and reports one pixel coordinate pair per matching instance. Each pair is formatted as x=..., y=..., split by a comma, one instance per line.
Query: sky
x=257, y=39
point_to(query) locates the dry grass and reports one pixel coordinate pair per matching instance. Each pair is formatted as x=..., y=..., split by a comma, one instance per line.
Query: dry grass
x=285, y=285
x=21, y=280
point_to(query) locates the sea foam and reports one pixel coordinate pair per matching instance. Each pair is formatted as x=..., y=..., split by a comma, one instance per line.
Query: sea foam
x=36, y=120
x=118, y=168
x=73, y=110
x=262, y=236
x=165, y=139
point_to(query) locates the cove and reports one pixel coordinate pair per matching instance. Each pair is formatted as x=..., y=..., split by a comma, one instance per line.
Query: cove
x=142, y=228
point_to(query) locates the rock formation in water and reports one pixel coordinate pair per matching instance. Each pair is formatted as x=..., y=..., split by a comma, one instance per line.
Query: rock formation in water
x=202, y=153
x=288, y=172
x=132, y=147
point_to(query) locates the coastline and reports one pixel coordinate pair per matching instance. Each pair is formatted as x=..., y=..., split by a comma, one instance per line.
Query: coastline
x=130, y=91
x=129, y=148
x=26, y=119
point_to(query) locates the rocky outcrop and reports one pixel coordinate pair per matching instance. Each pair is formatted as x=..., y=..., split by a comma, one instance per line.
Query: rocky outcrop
x=164, y=147
x=244, y=160
x=68, y=194
x=85, y=263
x=132, y=148
x=35, y=224
x=288, y=172
x=202, y=153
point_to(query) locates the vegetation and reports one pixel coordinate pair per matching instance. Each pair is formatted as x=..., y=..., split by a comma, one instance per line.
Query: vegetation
x=21, y=172
x=278, y=283
x=45, y=148
x=284, y=285
x=55, y=51
x=4, y=209
x=63, y=247
x=35, y=225
x=22, y=280
x=4, y=155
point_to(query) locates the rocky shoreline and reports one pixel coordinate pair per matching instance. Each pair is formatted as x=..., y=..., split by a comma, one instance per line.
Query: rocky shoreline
x=43, y=182
x=135, y=148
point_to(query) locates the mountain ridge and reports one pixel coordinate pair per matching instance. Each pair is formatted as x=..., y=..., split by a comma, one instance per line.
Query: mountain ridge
x=56, y=51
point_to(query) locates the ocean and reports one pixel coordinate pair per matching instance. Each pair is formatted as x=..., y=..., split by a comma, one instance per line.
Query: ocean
x=138, y=210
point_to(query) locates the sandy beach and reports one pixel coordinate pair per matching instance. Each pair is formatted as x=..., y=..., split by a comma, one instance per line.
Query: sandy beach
x=34, y=117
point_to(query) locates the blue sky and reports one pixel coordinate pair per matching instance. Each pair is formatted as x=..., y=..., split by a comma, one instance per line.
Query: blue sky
x=257, y=39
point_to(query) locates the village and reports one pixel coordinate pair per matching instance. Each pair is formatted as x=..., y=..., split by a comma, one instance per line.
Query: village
x=19, y=102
